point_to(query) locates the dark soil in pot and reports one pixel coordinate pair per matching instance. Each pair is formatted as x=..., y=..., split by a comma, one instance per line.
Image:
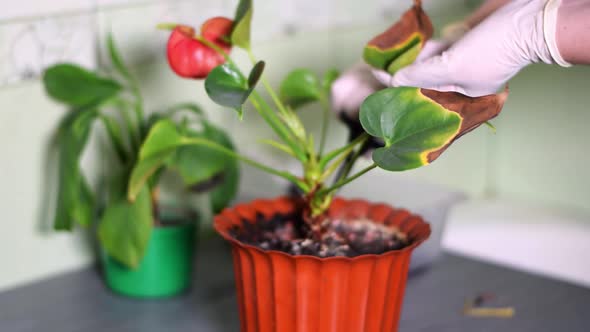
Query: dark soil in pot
x=347, y=238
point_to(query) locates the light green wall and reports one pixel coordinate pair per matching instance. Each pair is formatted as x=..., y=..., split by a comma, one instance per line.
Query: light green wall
x=28, y=248
x=540, y=152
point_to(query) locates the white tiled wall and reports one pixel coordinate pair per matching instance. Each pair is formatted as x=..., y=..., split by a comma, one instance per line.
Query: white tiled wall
x=26, y=47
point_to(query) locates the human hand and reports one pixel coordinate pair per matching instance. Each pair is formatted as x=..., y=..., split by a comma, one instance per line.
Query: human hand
x=358, y=82
x=486, y=57
x=351, y=88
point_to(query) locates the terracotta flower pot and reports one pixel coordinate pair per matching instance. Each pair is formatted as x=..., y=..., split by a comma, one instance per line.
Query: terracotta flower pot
x=278, y=292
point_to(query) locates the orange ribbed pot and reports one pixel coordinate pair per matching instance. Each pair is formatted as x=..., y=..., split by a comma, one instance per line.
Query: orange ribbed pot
x=278, y=292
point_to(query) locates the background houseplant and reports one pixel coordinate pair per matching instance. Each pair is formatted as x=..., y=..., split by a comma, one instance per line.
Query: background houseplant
x=316, y=262
x=146, y=252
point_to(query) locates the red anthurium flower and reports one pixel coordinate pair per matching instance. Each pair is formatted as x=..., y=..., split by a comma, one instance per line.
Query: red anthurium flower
x=189, y=57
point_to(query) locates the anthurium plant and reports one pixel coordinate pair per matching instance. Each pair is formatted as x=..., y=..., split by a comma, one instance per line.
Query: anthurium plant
x=416, y=125
x=112, y=99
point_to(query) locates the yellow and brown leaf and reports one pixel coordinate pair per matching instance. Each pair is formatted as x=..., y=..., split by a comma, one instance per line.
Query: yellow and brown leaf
x=399, y=45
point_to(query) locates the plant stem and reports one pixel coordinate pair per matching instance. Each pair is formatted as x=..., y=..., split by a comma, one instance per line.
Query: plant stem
x=325, y=123
x=124, y=106
x=155, y=197
x=276, y=124
x=115, y=137
x=216, y=49
x=345, y=149
x=267, y=86
x=166, y=26
x=348, y=180
x=349, y=163
x=336, y=163
x=265, y=111
x=288, y=176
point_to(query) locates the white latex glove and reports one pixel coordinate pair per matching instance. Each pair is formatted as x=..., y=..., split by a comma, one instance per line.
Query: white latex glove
x=485, y=58
x=351, y=88
x=357, y=83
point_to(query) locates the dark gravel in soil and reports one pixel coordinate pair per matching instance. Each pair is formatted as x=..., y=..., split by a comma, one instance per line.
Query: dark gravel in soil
x=347, y=238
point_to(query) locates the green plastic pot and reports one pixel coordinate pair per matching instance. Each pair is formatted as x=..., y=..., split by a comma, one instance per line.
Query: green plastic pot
x=166, y=269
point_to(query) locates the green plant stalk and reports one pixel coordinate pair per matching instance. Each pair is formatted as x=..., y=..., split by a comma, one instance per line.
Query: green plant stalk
x=324, y=161
x=123, y=107
x=133, y=132
x=116, y=141
x=344, y=182
x=288, y=176
x=268, y=87
x=139, y=114
x=216, y=49
x=186, y=107
x=276, y=124
x=278, y=146
x=349, y=164
x=261, y=106
x=325, y=123
x=334, y=166
x=313, y=168
x=131, y=81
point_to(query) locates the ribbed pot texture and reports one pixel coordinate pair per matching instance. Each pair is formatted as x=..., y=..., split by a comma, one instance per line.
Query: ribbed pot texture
x=278, y=292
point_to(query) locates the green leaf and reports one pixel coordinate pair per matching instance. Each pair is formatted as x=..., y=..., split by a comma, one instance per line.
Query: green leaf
x=301, y=86
x=77, y=87
x=125, y=229
x=144, y=169
x=190, y=107
x=166, y=147
x=197, y=163
x=255, y=74
x=405, y=59
x=384, y=58
x=400, y=44
x=114, y=132
x=163, y=136
x=116, y=58
x=411, y=124
x=279, y=146
x=226, y=85
x=119, y=64
x=158, y=147
x=227, y=190
x=241, y=30
x=75, y=201
x=491, y=126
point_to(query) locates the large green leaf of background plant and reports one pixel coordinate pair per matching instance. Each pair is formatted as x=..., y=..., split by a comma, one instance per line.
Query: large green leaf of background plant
x=411, y=125
x=226, y=191
x=166, y=146
x=196, y=163
x=77, y=87
x=159, y=146
x=125, y=229
x=75, y=201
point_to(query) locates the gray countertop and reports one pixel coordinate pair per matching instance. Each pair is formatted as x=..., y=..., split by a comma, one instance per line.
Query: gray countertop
x=434, y=300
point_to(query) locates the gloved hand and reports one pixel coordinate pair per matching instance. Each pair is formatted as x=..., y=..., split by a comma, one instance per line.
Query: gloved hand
x=357, y=83
x=485, y=58
x=351, y=88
